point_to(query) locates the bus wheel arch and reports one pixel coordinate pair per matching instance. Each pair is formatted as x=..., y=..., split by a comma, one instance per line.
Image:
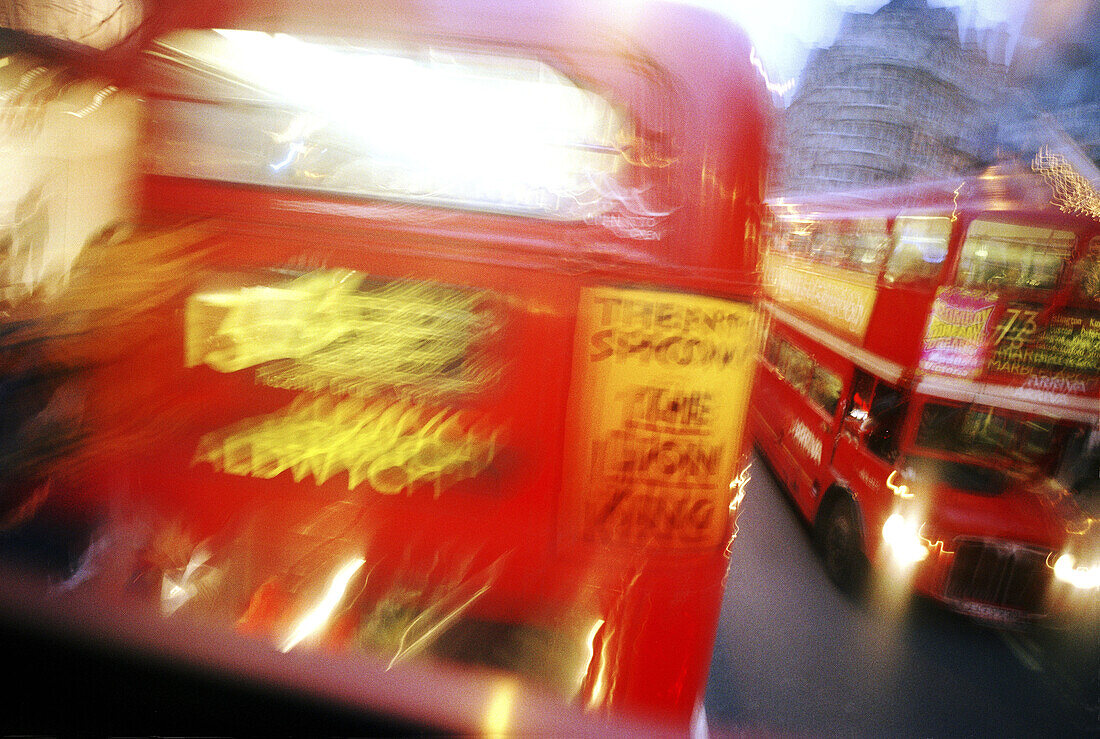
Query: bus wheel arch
x=839, y=535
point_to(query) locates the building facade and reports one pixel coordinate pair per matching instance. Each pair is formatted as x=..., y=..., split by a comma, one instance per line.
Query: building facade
x=900, y=95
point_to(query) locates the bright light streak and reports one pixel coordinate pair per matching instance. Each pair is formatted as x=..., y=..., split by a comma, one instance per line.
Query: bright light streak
x=601, y=665
x=902, y=490
x=292, y=151
x=315, y=619
x=97, y=102
x=738, y=484
x=1082, y=578
x=779, y=88
x=590, y=643
x=176, y=590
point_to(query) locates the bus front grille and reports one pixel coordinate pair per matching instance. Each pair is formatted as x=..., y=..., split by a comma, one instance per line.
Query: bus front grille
x=1000, y=574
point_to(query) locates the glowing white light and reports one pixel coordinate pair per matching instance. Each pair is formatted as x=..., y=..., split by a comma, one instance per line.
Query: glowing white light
x=480, y=130
x=292, y=151
x=903, y=538
x=1083, y=578
x=498, y=714
x=598, y=688
x=315, y=619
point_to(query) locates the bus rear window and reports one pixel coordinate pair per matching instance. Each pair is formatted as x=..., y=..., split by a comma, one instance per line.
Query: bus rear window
x=462, y=129
x=1003, y=255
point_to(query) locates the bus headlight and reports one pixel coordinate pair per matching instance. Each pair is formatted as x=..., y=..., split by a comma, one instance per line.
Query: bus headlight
x=1083, y=578
x=902, y=536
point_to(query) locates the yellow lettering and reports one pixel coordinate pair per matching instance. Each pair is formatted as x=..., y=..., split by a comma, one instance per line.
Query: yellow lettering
x=391, y=446
x=328, y=331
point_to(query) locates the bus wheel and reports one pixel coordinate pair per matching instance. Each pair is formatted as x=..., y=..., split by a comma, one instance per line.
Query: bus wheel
x=841, y=545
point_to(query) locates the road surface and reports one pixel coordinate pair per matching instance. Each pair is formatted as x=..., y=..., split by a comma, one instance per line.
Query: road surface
x=795, y=656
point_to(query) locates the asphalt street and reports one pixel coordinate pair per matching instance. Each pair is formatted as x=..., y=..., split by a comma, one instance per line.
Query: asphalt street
x=794, y=656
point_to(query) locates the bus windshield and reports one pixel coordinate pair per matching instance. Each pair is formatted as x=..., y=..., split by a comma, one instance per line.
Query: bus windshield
x=983, y=433
x=973, y=478
x=1002, y=255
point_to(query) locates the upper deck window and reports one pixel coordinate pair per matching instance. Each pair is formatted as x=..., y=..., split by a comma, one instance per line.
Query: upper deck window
x=920, y=248
x=850, y=244
x=1087, y=275
x=1003, y=255
x=869, y=244
x=440, y=127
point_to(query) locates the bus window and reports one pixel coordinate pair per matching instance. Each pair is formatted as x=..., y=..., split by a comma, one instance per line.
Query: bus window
x=886, y=422
x=982, y=432
x=1087, y=277
x=835, y=247
x=920, y=248
x=879, y=410
x=1036, y=438
x=772, y=350
x=825, y=389
x=466, y=130
x=868, y=245
x=822, y=240
x=801, y=235
x=863, y=388
x=795, y=365
x=1003, y=255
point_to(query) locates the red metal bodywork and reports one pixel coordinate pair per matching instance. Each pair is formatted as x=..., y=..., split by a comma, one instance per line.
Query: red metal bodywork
x=639, y=616
x=828, y=454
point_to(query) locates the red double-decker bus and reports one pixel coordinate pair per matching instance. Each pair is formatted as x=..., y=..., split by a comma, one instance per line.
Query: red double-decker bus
x=928, y=394
x=436, y=333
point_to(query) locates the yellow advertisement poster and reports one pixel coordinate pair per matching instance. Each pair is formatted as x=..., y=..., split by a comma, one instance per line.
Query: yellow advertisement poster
x=658, y=406
x=841, y=298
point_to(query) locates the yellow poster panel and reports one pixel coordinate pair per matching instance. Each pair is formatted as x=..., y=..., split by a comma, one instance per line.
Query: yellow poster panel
x=840, y=298
x=658, y=406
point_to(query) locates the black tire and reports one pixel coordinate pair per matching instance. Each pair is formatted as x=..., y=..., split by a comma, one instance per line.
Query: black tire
x=841, y=544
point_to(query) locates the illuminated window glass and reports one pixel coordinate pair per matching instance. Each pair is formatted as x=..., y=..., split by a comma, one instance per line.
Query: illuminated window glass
x=869, y=243
x=1003, y=255
x=1087, y=274
x=795, y=237
x=441, y=127
x=825, y=389
x=831, y=243
x=919, y=248
x=795, y=365
x=979, y=431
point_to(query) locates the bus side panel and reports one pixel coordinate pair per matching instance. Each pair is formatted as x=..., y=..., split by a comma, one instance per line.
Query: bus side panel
x=792, y=432
x=866, y=477
x=896, y=327
x=772, y=418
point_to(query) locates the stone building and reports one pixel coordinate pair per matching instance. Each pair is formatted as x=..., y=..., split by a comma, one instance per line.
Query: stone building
x=900, y=95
